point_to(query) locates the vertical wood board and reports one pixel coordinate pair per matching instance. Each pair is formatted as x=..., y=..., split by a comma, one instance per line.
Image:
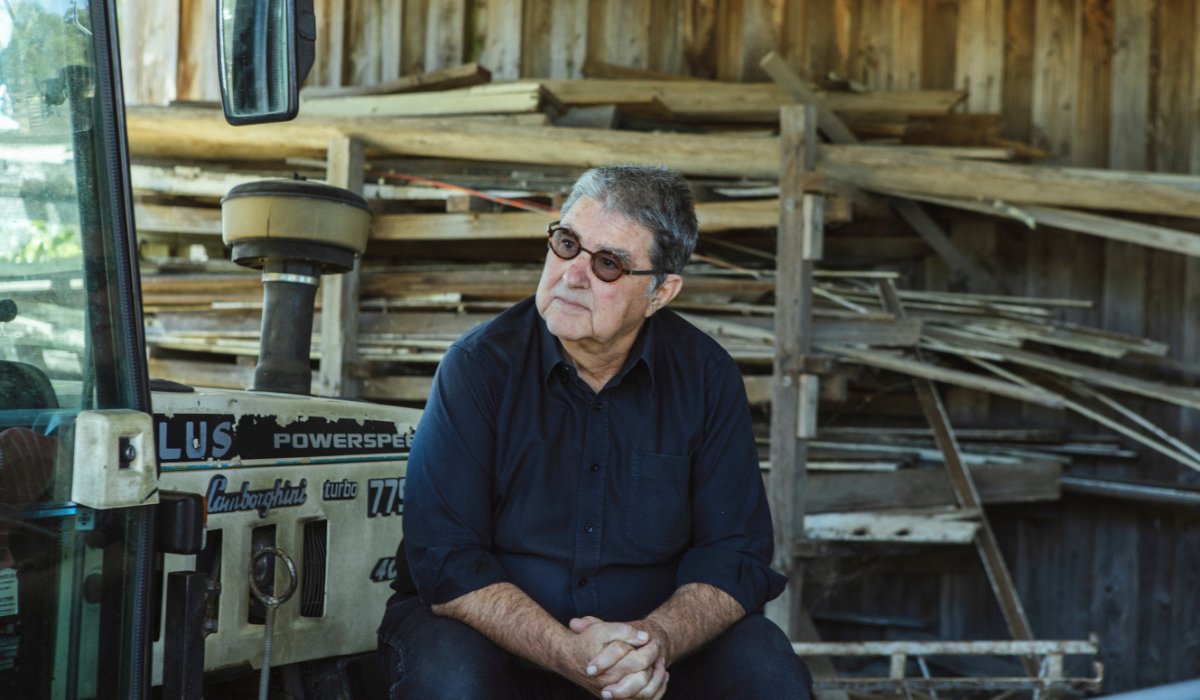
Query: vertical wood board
x=1056, y=77
x=979, y=54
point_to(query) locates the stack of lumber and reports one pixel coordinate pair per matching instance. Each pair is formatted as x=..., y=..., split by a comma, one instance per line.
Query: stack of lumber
x=442, y=261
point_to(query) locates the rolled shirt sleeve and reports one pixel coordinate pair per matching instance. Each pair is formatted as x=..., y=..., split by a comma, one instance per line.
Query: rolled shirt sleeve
x=732, y=536
x=447, y=493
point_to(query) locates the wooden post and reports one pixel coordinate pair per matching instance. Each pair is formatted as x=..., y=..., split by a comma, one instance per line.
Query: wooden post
x=339, y=293
x=793, y=340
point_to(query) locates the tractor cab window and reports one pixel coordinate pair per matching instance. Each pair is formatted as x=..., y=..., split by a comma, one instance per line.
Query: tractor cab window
x=63, y=567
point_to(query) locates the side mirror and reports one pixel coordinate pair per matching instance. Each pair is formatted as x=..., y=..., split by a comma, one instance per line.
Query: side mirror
x=265, y=49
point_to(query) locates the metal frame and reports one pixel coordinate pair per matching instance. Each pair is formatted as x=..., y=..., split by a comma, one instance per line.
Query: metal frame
x=1049, y=677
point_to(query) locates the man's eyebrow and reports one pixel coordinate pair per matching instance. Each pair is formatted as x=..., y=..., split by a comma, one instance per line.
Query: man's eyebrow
x=623, y=255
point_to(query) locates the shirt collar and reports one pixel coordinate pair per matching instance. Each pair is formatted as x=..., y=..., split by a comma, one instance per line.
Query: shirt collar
x=641, y=352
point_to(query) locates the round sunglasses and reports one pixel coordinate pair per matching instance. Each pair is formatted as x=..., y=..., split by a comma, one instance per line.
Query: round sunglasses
x=606, y=266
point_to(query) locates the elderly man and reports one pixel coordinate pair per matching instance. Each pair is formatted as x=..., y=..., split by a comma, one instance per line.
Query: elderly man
x=584, y=514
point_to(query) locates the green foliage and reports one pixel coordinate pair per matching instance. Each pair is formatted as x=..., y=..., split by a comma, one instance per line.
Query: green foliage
x=48, y=242
x=42, y=44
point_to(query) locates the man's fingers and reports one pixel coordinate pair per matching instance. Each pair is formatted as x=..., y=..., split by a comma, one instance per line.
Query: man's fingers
x=635, y=661
x=629, y=686
x=663, y=690
x=613, y=631
x=658, y=682
x=609, y=655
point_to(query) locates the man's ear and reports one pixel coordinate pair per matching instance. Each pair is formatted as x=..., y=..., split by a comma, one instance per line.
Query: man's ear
x=664, y=294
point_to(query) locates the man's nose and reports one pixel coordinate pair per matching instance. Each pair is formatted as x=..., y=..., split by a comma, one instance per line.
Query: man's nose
x=577, y=271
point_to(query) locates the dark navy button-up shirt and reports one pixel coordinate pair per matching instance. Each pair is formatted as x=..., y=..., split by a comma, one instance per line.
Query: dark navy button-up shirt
x=591, y=503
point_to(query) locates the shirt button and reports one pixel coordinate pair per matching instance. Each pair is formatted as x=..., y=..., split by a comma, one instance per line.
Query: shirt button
x=599, y=406
x=588, y=527
x=582, y=582
x=595, y=467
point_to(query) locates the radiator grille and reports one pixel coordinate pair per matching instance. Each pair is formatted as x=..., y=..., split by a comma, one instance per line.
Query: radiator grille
x=312, y=578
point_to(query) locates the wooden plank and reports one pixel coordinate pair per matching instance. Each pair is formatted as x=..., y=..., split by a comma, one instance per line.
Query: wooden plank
x=830, y=123
x=762, y=33
x=619, y=33
x=328, y=67
x=665, y=52
x=149, y=38
x=493, y=98
x=537, y=33
x=391, y=31
x=1017, y=105
x=413, y=43
x=712, y=216
x=1180, y=396
x=498, y=26
x=979, y=54
x=907, y=39
x=793, y=319
x=968, y=498
x=1062, y=187
x=1026, y=482
x=463, y=76
x=569, y=39
x=1175, y=106
x=700, y=29
x=340, y=293
x=746, y=102
x=871, y=58
x=1131, y=84
x=363, y=24
x=157, y=217
x=940, y=528
x=966, y=269
x=1132, y=232
x=203, y=134
x=1095, y=83
x=940, y=45
x=445, y=29
x=1056, y=77
x=923, y=370
x=197, y=78
x=728, y=45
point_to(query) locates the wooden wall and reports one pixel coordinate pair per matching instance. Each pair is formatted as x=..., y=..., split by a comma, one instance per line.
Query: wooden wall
x=1103, y=83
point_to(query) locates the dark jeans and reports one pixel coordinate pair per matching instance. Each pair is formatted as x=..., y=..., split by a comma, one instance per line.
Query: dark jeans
x=429, y=657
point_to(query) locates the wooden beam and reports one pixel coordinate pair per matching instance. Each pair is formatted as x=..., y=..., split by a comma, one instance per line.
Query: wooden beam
x=1018, y=184
x=339, y=293
x=712, y=216
x=1026, y=482
x=703, y=100
x=1160, y=237
x=204, y=135
x=797, y=89
x=975, y=275
x=493, y=98
x=462, y=76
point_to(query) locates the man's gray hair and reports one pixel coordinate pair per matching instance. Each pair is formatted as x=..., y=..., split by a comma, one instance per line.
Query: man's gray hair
x=655, y=197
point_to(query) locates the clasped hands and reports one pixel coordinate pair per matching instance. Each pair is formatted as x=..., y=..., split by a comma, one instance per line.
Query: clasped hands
x=617, y=660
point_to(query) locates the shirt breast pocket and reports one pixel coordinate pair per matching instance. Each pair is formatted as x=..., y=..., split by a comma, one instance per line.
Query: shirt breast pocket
x=658, y=512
